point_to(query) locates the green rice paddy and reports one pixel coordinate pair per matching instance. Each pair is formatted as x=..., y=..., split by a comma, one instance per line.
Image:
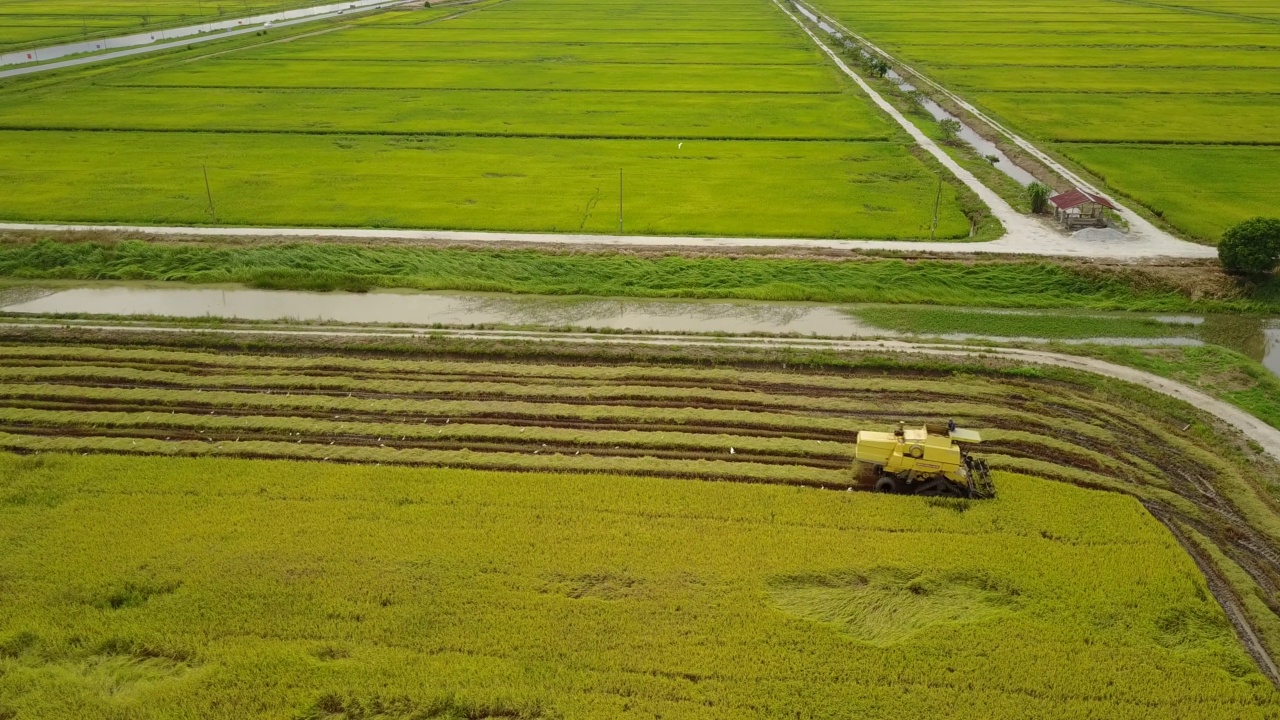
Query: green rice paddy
x=721, y=118
x=1173, y=105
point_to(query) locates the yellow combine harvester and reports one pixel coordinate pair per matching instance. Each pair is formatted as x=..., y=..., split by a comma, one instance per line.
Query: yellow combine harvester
x=914, y=462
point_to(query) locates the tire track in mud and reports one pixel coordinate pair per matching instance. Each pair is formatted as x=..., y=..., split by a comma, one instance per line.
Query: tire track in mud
x=1223, y=592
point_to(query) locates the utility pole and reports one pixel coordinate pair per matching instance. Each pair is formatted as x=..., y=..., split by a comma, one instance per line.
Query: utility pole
x=619, y=201
x=209, y=193
x=937, y=205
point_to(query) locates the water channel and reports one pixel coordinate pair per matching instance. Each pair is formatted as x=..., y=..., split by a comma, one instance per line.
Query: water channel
x=148, y=37
x=1256, y=337
x=968, y=135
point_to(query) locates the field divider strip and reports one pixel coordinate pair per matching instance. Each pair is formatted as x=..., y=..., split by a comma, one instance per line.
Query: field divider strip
x=450, y=134
x=144, y=86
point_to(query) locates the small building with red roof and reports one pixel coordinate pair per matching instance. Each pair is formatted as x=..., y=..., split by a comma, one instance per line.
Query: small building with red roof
x=1077, y=208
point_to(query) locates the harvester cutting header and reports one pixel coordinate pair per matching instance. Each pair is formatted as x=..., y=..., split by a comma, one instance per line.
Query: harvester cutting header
x=912, y=461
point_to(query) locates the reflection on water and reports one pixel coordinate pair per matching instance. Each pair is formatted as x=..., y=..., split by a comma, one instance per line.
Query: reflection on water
x=448, y=309
x=1271, y=350
x=1253, y=336
x=1242, y=333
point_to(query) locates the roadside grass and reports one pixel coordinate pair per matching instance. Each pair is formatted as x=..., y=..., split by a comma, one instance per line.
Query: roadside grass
x=235, y=574
x=322, y=266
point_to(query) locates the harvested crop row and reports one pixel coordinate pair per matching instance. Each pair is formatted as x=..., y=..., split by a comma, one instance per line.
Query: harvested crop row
x=644, y=466
x=58, y=421
x=307, y=365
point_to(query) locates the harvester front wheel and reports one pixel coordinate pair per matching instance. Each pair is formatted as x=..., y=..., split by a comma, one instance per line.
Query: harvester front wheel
x=888, y=484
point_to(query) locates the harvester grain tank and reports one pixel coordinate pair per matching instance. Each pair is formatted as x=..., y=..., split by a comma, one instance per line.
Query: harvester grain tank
x=914, y=461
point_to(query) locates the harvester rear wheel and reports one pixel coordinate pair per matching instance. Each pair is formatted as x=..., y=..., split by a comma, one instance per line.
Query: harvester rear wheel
x=888, y=484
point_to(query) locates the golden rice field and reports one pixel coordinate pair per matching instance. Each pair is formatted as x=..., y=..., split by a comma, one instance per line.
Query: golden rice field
x=546, y=532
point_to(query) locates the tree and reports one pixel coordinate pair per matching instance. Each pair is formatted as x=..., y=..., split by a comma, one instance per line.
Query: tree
x=1251, y=247
x=1038, y=194
x=950, y=129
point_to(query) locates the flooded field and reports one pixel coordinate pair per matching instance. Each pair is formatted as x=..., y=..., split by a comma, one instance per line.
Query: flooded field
x=427, y=309
x=1258, y=338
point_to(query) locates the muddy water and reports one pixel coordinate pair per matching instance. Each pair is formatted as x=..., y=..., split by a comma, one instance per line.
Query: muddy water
x=968, y=135
x=1258, y=338
x=426, y=309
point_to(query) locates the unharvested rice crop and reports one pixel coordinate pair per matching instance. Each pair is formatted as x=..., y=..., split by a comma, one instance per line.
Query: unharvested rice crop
x=1173, y=105
x=225, y=588
x=668, y=117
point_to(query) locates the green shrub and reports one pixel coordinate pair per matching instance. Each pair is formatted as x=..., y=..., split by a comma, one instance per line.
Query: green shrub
x=950, y=129
x=1038, y=193
x=1251, y=247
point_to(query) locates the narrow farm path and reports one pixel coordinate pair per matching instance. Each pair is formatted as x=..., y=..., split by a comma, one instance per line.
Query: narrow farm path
x=1079, y=246
x=1141, y=231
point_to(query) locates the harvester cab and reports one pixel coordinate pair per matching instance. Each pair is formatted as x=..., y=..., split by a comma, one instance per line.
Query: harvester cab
x=914, y=461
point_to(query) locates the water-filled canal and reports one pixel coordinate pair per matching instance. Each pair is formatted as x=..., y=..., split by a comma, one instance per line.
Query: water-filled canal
x=1256, y=337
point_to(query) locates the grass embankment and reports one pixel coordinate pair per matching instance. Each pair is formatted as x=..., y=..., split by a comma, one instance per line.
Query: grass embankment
x=227, y=588
x=330, y=266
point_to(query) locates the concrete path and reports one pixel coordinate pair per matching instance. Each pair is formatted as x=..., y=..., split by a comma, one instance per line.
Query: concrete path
x=154, y=41
x=1081, y=245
